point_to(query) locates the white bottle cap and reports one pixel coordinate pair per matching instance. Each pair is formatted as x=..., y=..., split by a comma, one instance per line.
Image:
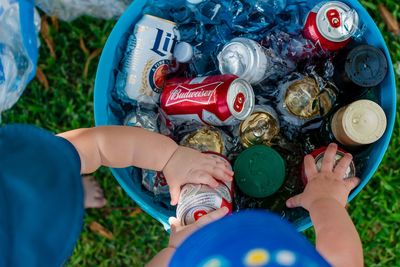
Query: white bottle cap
x=364, y=121
x=183, y=52
x=194, y=2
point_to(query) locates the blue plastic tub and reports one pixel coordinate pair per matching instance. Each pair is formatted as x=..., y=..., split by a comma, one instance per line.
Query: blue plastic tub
x=105, y=81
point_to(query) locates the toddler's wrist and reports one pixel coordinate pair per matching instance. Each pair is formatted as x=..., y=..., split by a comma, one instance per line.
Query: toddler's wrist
x=171, y=154
x=323, y=203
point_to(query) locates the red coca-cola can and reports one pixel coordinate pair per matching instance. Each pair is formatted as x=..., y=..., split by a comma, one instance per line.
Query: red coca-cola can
x=318, y=155
x=215, y=100
x=331, y=25
x=197, y=200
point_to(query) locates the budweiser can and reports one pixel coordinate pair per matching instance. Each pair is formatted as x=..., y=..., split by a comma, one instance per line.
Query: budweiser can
x=147, y=59
x=318, y=155
x=207, y=139
x=260, y=127
x=197, y=200
x=359, y=123
x=216, y=100
x=331, y=25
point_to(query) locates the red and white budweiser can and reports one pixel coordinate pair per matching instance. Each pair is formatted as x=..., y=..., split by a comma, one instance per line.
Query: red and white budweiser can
x=216, y=100
x=331, y=25
x=197, y=200
x=318, y=155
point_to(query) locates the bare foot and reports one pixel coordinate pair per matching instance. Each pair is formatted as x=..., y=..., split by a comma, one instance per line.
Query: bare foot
x=94, y=197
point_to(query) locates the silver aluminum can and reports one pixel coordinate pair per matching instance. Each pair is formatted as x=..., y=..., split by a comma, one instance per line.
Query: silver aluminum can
x=197, y=200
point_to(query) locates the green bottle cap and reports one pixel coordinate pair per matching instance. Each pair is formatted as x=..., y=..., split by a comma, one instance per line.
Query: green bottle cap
x=259, y=171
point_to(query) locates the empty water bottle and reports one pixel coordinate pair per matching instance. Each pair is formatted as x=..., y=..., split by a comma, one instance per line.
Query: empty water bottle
x=219, y=34
x=206, y=11
x=181, y=14
x=293, y=17
x=268, y=7
x=191, y=31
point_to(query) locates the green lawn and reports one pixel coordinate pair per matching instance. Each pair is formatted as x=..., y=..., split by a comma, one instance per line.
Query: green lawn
x=68, y=104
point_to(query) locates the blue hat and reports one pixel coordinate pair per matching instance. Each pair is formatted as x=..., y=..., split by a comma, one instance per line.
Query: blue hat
x=248, y=238
x=41, y=197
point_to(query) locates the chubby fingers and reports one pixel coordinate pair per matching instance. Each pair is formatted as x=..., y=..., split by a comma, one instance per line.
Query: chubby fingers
x=351, y=183
x=212, y=216
x=203, y=177
x=329, y=158
x=295, y=201
x=174, y=191
x=343, y=165
x=309, y=167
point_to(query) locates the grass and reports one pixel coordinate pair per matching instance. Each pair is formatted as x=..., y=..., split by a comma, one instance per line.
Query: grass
x=68, y=104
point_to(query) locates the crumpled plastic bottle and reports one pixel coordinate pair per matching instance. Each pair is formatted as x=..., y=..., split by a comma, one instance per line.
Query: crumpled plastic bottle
x=18, y=49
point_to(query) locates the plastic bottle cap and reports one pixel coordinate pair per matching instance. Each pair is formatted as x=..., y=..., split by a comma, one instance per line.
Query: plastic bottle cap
x=364, y=121
x=183, y=52
x=366, y=65
x=259, y=171
x=194, y=2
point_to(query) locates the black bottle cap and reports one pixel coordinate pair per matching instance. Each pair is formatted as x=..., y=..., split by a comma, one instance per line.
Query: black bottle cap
x=366, y=66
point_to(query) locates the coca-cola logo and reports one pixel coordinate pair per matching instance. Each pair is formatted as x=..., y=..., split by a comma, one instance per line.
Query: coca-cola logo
x=202, y=94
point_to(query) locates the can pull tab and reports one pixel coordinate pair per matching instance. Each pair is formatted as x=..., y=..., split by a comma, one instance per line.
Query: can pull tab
x=333, y=18
x=239, y=102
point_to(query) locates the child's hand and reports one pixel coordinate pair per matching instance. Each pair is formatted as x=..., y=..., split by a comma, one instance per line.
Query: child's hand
x=179, y=233
x=187, y=165
x=328, y=183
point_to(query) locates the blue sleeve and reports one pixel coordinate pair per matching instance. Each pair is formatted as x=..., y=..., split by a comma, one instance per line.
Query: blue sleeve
x=41, y=197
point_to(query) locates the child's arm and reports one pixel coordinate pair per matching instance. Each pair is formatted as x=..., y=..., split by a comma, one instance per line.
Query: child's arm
x=325, y=197
x=180, y=233
x=120, y=146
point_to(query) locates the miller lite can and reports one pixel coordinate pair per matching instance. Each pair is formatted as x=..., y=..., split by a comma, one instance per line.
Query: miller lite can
x=197, y=200
x=215, y=100
x=331, y=25
x=318, y=155
x=147, y=59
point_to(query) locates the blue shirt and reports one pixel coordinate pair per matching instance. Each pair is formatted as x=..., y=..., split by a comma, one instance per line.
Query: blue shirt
x=41, y=197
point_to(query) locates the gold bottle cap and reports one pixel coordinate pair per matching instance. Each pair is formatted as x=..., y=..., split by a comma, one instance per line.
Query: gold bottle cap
x=364, y=121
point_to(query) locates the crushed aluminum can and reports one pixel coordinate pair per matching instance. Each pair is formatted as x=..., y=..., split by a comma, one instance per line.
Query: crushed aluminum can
x=303, y=99
x=197, y=200
x=207, y=138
